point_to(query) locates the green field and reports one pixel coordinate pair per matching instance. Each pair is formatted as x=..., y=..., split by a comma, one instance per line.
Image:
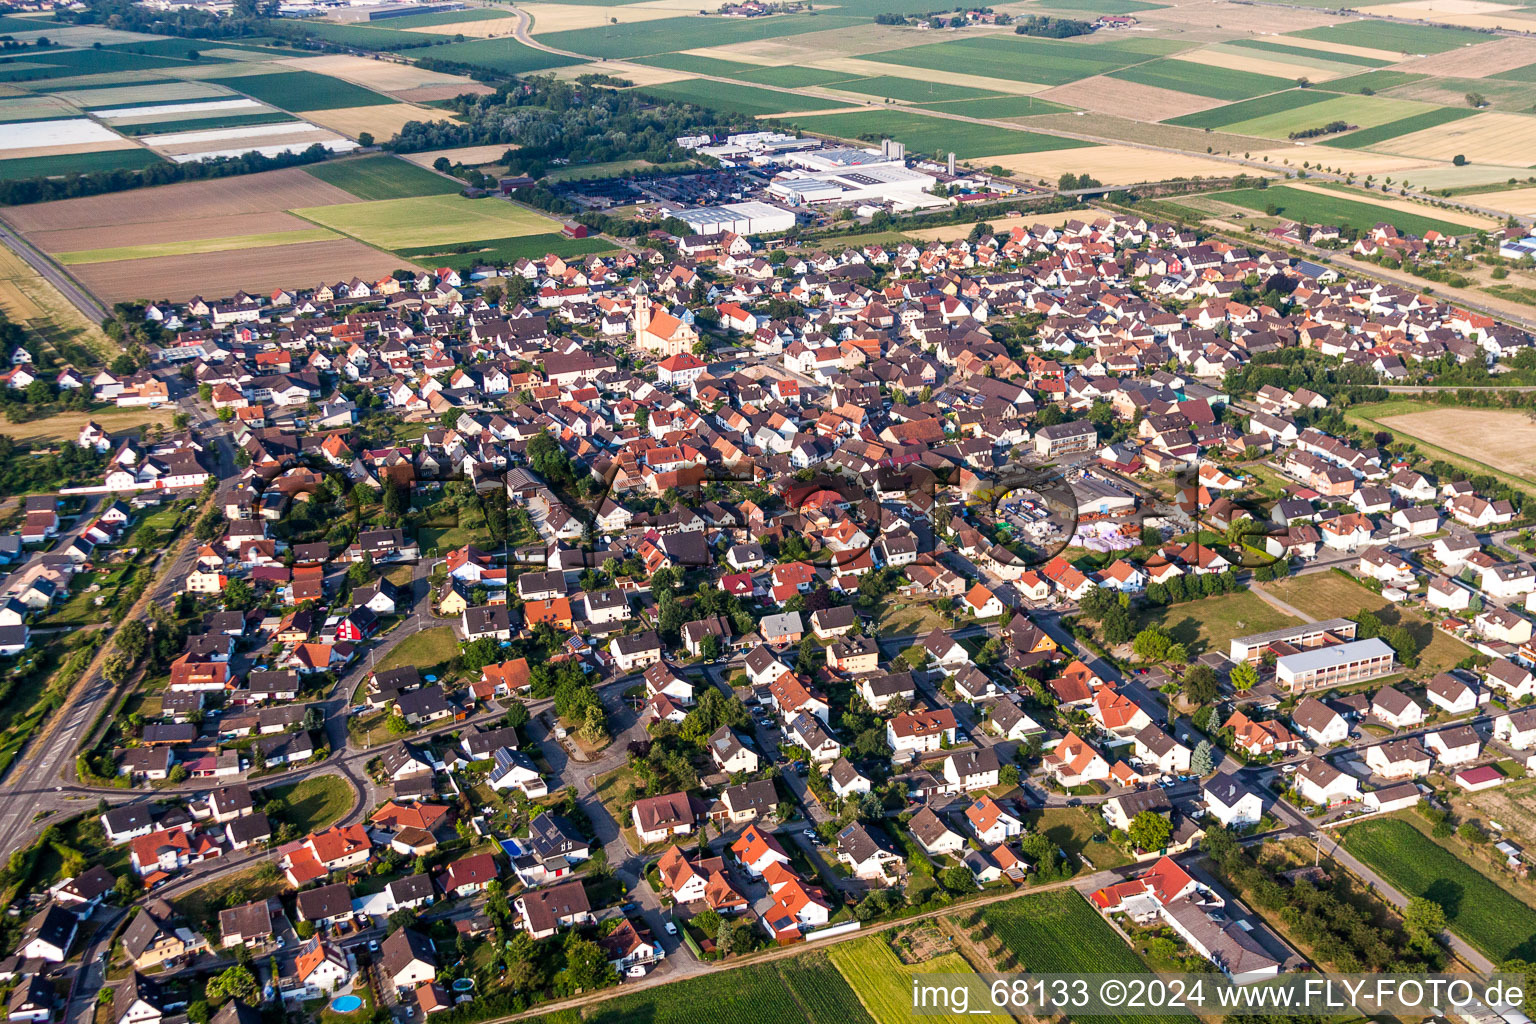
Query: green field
x=370, y=36
x=731, y=98
x=788, y=75
x=1381, y=133
x=426, y=649
x=1199, y=80
x=302, y=90
x=77, y=163
x=1022, y=59
x=54, y=64
x=910, y=90
x=445, y=18
x=1376, y=34
x=1058, y=932
x=803, y=989
x=187, y=247
x=203, y=123
x=1312, y=208
x=1376, y=81
x=1246, y=110
x=923, y=134
x=1101, y=6
x=317, y=802
x=1525, y=74
x=883, y=983
x=507, y=249
x=999, y=107
x=1364, y=111
x=668, y=35
x=508, y=56
x=383, y=177
x=427, y=220
x=1302, y=51
x=1476, y=908
x=1208, y=624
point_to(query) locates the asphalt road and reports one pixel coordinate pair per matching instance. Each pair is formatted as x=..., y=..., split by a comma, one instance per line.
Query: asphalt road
x=54, y=275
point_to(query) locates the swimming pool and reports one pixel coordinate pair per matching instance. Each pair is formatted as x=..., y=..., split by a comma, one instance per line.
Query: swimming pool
x=346, y=1004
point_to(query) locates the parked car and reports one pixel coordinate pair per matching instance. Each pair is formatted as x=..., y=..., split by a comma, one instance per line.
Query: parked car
x=671, y=928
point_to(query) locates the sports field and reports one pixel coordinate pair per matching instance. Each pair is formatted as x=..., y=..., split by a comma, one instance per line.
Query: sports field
x=428, y=220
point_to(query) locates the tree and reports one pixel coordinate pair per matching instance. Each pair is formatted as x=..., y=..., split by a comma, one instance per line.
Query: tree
x=958, y=880
x=1244, y=677
x=586, y=966
x=1008, y=776
x=1200, y=684
x=1423, y=917
x=1150, y=831
x=236, y=982
x=1151, y=644
x=1203, y=759
x=133, y=638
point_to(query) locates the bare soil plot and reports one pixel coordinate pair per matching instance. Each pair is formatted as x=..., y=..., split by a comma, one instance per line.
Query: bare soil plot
x=290, y=266
x=175, y=229
x=872, y=69
x=1116, y=96
x=268, y=192
x=1505, y=440
x=1494, y=138
x=1116, y=165
x=379, y=75
x=1478, y=61
x=382, y=122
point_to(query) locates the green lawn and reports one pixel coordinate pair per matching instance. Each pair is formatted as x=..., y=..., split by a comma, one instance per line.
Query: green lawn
x=383, y=177
x=317, y=802
x=428, y=220
x=1385, y=133
x=1209, y=623
x=303, y=90
x=1476, y=908
x=426, y=649
x=730, y=98
x=1073, y=829
x=1376, y=34
x=1315, y=208
x=923, y=134
x=77, y=163
x=1201, y=80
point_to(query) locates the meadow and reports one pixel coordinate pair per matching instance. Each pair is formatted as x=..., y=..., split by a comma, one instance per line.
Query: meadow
x=1476, y=907
x=1209, y=623
x=382, y=177
x=1316, y=208
x=923, y=134
x=428, y=220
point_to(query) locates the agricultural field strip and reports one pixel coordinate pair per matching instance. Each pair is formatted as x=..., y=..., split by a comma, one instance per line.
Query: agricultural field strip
x=198, y=245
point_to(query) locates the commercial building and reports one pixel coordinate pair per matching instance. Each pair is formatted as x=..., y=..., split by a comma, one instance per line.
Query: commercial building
x=750, y=218
x=1303, y=637
x=1334, y=665
x=881, y=180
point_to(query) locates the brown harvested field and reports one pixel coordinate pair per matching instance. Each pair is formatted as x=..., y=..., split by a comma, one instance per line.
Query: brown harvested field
x=1502, y=439
x=1325, y=48
x=1219, y=19
x=65, y=426
x=382, y=121
x=135, y=95
x=1519, y=201
x=1466, y=13
x=1478, y=61
x=381, y=75
x=639, y=74
x=490, y=28
x=1114, y=96
x=565, y=17
x=224, y=273
x=1351, y=161
x=234, y=225
x=469, y=156
x=268, y=192
x=816, y=46
x=1116, y=165
x=428, y=93
x=1254, y=62
x=69, y=149
x=28, y=299
x=1494, y=138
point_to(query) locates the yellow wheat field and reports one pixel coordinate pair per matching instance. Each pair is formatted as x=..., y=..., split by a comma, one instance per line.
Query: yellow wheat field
x=1493, y=138
x=382, y=121
x=1216, y=58
x=1116, y=165
x=1480, y=61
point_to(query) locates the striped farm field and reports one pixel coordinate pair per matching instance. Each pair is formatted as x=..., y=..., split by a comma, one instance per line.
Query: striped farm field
x=883, y=983
x=736, y=99
x=302, y=90
x=1376, y=81
x=923, y=134
x=428, y=220
x=1245, y=110
x=1319, y=208
x=998, y=107
x=1021, y=59
x=1200, y=80
x=910, y=90
x=1301, y=51
x=1386, y=35
x=1487, y=138
x=505, y=55
x=1365, y=111
x=382, y=177
x=1381, y=133
x=668, y=35
x=446, y=18
x=77, y=163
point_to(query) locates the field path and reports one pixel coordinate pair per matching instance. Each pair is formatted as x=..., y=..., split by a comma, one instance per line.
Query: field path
x=1277, y=604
